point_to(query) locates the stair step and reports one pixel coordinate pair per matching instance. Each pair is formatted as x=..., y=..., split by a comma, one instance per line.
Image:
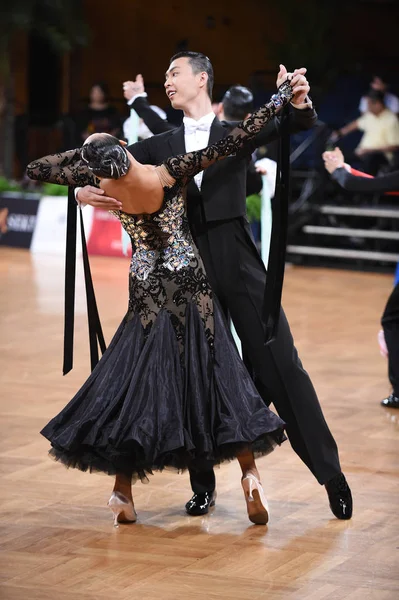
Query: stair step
x=344, y=253
x=351, y=232
x=389, y=213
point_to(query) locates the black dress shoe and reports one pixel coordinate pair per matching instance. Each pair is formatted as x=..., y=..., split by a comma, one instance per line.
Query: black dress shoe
x=200, y=504
x=340, y=497
x=391, y=402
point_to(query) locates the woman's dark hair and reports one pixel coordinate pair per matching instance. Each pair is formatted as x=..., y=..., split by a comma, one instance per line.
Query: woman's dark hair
x=103, y=87
x=199, y=62
x=106, y=157
x=238, y=101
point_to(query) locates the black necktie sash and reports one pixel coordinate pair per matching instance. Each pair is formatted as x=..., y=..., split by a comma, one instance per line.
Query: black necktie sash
x=96, y=337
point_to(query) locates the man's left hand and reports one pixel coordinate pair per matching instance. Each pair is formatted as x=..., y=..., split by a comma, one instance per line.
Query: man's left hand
x=299, y=83
x=300, y=86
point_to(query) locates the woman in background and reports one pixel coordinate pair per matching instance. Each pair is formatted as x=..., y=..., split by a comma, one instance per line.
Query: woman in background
x=99, y=116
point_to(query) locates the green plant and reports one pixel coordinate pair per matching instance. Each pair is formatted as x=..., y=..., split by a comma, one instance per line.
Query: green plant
x=53, y=189
x=254, y=207
x=9, y=186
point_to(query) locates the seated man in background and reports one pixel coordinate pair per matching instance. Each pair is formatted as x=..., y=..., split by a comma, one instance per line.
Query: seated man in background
x=380, y=141
x=391, y=101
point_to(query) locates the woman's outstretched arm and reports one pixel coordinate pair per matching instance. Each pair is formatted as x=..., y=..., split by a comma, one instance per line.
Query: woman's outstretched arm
x=65, y=168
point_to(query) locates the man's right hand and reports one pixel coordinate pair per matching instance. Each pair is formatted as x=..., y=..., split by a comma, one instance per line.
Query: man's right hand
x=97, y=198
x=333, y=159
x=132, y=88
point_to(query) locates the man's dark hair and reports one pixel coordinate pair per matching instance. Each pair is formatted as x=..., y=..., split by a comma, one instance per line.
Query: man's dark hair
x=199, y=62
x=238, y=101
x=376, y=96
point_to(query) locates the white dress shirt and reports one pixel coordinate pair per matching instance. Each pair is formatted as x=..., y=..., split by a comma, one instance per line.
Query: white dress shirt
x=196, y=137
x=196, y=133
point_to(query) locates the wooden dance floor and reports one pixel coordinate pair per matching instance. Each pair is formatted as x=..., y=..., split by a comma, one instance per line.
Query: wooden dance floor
x=57, y=540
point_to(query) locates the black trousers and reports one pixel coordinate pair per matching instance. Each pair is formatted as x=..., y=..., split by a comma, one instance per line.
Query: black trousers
x=390, y=325
x=237, y=276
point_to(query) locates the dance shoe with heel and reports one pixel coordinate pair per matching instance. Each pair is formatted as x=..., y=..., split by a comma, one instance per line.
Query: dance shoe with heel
x=122, y=508
x=257, y=506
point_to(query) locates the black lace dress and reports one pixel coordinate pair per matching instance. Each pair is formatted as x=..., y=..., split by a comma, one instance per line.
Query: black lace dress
x=171, y=388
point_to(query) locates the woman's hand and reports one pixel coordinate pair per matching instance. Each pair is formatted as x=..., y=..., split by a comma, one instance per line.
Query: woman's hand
x=333, y=159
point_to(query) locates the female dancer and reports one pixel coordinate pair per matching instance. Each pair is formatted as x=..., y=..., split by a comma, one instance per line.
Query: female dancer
x=171, y=390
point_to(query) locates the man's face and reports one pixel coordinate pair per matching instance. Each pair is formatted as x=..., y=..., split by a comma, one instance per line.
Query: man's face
x=181, y=84
x=375, y=106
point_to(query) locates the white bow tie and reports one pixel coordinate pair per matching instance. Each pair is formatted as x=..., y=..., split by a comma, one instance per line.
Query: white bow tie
x=191, y=126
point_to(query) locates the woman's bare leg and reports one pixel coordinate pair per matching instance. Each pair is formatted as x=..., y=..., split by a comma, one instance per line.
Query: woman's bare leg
x=123, y=485
x=247, y=463
x=257, y=507
x=121, y=501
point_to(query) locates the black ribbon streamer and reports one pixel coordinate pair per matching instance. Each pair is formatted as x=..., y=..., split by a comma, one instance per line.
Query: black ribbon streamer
x=95, y=330
x=278, y=241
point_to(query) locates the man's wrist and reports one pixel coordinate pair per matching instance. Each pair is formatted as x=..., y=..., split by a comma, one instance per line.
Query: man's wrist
x=302, y=105
x=78, y=202
x=133, y=98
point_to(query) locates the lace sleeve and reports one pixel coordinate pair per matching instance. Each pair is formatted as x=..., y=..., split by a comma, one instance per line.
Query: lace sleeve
x=65, y=168
x=184, y=166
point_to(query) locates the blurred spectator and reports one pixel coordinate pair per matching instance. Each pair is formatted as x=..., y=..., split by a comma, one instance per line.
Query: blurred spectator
x=99, y=116
x=3, y=221
x=380, y=142
x=391, y=101
x=237, y=104
x=341, y=172
x=143, y=131
x=215, y=108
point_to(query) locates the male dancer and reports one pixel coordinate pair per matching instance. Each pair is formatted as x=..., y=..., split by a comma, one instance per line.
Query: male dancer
x=216, y=211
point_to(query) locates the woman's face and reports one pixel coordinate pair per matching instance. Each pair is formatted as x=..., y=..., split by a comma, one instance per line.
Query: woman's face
x=97, y=95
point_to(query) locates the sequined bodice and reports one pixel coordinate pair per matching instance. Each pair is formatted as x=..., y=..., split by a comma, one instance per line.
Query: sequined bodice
x=166, y=271
x=162, y=238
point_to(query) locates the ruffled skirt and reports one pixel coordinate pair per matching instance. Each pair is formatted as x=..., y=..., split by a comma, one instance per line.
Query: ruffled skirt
x=146, y=406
